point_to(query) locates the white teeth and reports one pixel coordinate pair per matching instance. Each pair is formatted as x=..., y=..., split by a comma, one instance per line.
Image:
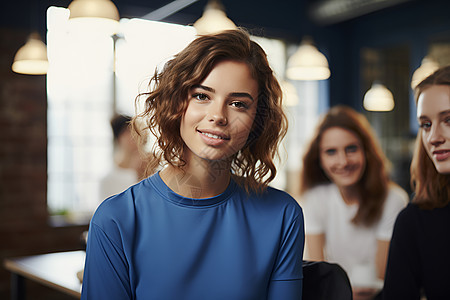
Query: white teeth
x=212, y=135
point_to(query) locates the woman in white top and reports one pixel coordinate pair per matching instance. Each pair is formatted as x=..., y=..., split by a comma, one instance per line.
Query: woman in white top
x=349, y=202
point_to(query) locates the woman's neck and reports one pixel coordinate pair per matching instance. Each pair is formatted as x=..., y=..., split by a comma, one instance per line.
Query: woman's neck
x=198, y=178
x=350, y=194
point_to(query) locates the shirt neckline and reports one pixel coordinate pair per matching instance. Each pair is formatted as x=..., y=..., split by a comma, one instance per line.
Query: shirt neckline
x=177, y=199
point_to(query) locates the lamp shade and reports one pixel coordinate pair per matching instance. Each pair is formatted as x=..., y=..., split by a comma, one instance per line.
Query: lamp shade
x=31, y=58
x=213, y=19
x=100, y=16
x=307, y=63
x=378, y=98
x=427, y=67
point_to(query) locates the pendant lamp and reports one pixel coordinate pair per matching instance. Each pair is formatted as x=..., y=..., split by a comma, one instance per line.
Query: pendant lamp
x=213, y=19
x=307, y=63
x=427, y=67
x=378, y=98
x=99, y=16
x=31, y=58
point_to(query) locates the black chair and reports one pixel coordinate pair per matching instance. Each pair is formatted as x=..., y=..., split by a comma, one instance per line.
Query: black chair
x=325, y=281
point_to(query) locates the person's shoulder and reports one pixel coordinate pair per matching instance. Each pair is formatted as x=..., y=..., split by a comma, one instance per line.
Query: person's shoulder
x=281, y=198
x=269, y=199
x=120, y=207
x=321, y=192
x=322, y=188
x=409, y=213
x=396, y=199
x=396, y=192
x=278, y=193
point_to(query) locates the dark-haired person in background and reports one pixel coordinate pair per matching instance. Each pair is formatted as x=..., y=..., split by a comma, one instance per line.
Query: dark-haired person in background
x=128, y=167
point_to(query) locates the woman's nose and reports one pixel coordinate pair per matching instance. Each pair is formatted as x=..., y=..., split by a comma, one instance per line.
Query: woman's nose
x=217, y=114
x=435, y=137
x=342, y=158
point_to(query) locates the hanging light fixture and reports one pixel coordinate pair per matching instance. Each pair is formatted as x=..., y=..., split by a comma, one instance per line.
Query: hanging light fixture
x=100, y=16
x=307, y=63
x=31, y=58
x=213, y=19
x=378, y=98
x=427, y=67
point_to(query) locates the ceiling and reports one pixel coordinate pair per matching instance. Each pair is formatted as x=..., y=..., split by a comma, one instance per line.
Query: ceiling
x=288, y=19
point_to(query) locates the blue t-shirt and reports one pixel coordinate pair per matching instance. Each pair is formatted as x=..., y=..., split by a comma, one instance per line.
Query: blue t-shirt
x=151, y=243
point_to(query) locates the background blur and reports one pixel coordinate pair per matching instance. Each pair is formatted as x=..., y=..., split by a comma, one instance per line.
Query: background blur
x=363, y=41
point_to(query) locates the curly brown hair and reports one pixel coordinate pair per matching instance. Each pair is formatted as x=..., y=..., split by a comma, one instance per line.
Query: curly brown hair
x=431, y=188
x=167, y=101
x=374, y=182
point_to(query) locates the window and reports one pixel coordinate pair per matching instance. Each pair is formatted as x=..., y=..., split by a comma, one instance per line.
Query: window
x=79, y=88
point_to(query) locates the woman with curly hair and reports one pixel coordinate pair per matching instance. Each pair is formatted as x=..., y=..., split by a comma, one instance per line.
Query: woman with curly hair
x=350, y=203
x=206, y=226
x=419, y=261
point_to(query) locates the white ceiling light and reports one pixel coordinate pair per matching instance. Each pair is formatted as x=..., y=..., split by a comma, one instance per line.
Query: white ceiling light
x=31, y=58
x=213, y=19
x=427, y=67
x=307, y=63
x=100, y=16
x=378, y=98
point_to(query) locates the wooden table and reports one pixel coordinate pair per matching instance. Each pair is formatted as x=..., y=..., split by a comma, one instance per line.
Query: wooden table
x=55, y=270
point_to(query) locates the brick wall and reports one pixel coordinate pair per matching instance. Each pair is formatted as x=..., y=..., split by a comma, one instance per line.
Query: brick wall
x=24, y=227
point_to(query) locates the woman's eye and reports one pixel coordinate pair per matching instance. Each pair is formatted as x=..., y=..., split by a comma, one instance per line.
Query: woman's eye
x=330, y=151
x=200, y=96
x=239, y=104
x=351, y=149
x=447, y=120
x=425, y=125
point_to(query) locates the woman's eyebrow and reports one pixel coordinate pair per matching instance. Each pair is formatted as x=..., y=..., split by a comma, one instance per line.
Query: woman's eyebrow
x=203, y=87
x=445, y=112
x=242, y=95
x=442, y=113
x=236, y=94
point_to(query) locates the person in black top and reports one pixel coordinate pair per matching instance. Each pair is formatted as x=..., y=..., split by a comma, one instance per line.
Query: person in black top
x=419, y=255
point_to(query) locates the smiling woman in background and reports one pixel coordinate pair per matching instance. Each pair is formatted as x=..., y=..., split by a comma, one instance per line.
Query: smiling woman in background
x=350, y=204
x=419, y=256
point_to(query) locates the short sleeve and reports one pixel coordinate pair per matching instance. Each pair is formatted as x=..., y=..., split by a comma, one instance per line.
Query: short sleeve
x=106, y=270
x=396, y=200
x=314, y=212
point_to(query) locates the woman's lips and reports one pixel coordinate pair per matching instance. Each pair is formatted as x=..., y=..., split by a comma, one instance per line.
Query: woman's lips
x=441, y=155
x=213, y=138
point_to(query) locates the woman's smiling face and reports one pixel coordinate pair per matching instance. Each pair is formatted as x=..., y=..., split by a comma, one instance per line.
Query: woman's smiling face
x=342, y=156
x=220, y=112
